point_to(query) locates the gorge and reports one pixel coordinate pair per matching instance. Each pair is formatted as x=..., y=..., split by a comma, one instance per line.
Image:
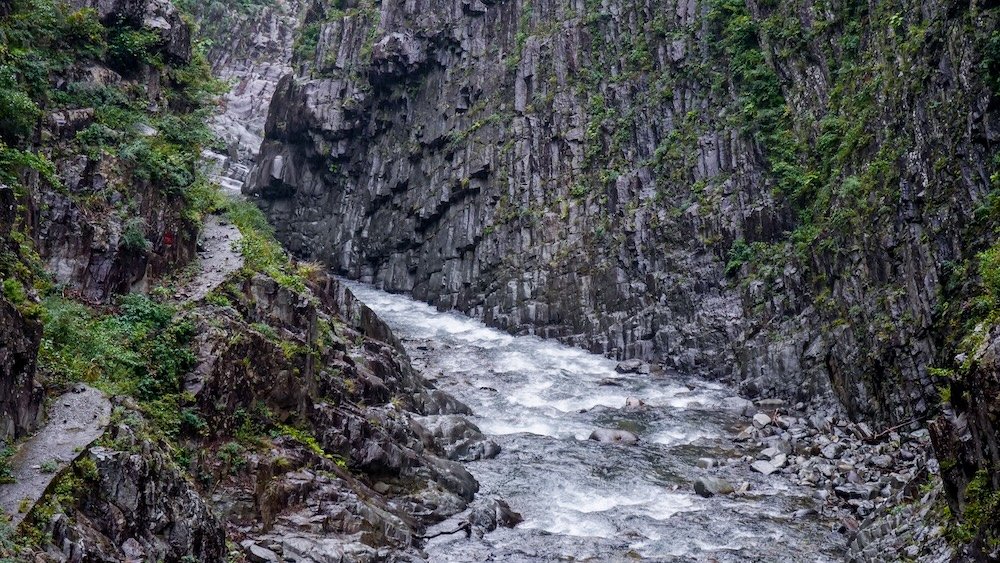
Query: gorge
x=752, y=241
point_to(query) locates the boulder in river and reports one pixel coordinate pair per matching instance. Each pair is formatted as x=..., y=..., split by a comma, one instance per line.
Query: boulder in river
x=608, y=436
x=634, y=403
x=706, y=463
x=738, y=405
x=632, y=366
x=710, y=486
x=764, y=467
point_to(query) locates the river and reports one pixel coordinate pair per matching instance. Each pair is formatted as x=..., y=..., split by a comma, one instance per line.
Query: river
x=587, y=501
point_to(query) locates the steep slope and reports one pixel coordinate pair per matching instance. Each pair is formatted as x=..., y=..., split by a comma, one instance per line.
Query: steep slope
x=258, y=410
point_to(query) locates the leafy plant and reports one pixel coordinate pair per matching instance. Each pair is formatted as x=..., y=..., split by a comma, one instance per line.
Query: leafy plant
x=134, y=235
x=6, y=469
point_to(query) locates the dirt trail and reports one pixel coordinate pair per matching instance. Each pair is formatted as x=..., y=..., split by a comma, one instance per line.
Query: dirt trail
x=79, y=417
x=217, y=258
x=75, y=420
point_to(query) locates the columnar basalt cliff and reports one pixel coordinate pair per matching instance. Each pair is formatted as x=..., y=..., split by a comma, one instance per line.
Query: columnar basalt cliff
x=797, y=196
x=749, y=190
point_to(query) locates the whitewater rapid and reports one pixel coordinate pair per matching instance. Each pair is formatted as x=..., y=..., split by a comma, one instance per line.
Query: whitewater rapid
x=583, y=500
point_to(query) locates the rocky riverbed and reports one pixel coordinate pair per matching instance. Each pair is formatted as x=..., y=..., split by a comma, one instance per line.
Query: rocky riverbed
x=882, y=486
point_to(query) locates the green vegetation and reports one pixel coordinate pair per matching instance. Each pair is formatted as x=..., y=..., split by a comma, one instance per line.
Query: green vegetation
x=306, y=438
x=6, y=475
x=66, y=489
x=261, y=251
x=40, y=44
x=141, y=349
x=982, y=505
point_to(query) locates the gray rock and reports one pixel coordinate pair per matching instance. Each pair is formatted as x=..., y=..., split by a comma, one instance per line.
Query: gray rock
x=609, y=436
x=710, y=486
x=771, y=404
x=832, y=450
x=882, y=461
x=738, y=405
x=764, y=467
x=853, y=491
x=632, y=366
x=760, y=420
x=779, y=461
x=259, y=554
x=706, y=463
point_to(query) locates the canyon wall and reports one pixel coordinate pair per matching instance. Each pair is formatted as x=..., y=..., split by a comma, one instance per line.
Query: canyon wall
x=778, y=193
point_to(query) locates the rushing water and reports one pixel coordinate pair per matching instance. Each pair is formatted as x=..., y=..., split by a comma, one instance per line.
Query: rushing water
x=587, y=501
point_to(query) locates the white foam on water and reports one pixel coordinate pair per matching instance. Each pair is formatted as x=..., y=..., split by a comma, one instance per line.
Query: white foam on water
x=572, y=524
x=680, y=437
x=497, y=427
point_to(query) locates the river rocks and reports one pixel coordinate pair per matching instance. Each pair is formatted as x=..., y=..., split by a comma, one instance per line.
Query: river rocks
x=436, y=401
x=492, y=514
x=760, y=420
x=711, y=486
x=607, y=436
x=634, y=403
x=706, y=463
x=258, y=554
x=738, y=405
x=633, y=366
x=461, y=439
x=763, y=467
x=852, y=491
x=138, y=494
x=859, y=475
x=832, y=450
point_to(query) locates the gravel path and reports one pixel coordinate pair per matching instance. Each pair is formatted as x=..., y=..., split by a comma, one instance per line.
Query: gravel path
x=75, y=420
x=217, y=258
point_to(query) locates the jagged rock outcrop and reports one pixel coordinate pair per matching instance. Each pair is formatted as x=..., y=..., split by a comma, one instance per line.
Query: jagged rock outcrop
x=252, y=48
x=299, y=435
x=158, y=15
x=20, y=395
x=131, y=502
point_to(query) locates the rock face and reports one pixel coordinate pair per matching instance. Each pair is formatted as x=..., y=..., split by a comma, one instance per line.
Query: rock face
x=615, y=176
x=136, y=505
x=252, y=48
x=112, y=224
x=20, y=395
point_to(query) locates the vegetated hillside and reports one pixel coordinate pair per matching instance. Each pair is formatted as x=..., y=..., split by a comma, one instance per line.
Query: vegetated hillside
x=266, y=411
x=799, y=196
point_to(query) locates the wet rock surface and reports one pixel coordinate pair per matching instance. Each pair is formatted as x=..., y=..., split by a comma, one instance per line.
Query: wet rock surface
x=20, y=393
x=884, y=487
x=75, y=419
